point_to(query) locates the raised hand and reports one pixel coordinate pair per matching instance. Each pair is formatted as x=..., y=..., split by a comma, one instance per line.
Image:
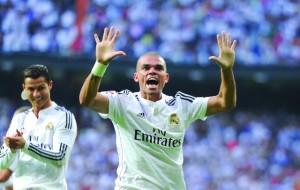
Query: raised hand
x=105, y=48
x=226, y=51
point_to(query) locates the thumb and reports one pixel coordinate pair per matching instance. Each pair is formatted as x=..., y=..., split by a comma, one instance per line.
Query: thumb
x=122, y=53
x=214, y=58
x=116, y=54
x=19, y=133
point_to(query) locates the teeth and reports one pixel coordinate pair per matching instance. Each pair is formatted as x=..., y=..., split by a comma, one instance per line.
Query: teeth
x=152, y=79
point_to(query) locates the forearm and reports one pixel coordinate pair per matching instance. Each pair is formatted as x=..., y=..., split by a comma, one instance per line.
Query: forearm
x=228, y=89
x=56, y=157
x=5, y=175
x=6, y=157
x=89, y=89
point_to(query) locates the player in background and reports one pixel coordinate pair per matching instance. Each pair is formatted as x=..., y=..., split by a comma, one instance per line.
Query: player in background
x=150, y=125
x=39, y=141
x=5, y=175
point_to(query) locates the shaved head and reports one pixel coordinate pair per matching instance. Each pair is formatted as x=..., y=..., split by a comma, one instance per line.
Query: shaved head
x=151, y=54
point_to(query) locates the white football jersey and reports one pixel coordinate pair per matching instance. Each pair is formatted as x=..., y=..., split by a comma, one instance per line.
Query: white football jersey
x=149, y=138
x=42, y=163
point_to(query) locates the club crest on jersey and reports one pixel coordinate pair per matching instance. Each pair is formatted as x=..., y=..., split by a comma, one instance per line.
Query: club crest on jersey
x=49, y=126
x=174, y=120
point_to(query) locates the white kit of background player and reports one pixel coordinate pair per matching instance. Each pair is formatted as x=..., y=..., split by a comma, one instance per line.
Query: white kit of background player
x=39, y=141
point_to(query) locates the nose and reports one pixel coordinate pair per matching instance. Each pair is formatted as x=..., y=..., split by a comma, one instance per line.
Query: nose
x=152, y=70
x=36, y=93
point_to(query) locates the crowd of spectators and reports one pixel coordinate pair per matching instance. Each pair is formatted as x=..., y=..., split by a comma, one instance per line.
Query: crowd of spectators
x=183, y=31
x=242, y=150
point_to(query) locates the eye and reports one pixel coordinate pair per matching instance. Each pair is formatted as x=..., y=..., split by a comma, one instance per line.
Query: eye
x=159, y=67
x=30, y=89
x=40, y=88
x=145, y=67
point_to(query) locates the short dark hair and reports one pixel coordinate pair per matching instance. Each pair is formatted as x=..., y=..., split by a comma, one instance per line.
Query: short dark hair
x=36, y=71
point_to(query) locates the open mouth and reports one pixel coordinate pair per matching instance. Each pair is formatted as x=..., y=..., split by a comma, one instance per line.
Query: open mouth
x=152, y=81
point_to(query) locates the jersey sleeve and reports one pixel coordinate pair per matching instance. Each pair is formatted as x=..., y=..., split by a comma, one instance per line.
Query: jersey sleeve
x=7, y=157
x=193, y=107
x=198, y=108
x=63, y=140
x=115, y=104
x=14, y=165
x=108, y=94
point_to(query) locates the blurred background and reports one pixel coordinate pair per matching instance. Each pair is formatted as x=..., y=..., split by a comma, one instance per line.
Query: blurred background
x=254, y=147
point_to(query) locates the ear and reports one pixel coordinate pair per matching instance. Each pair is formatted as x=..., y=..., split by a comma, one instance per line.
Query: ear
x=50, y=84
x=136, y=77
x=23, y=85
x=167, y=78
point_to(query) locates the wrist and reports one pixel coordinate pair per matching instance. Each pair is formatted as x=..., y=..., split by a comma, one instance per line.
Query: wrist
x=13, y=150
x=99, y=69
x=226, y=69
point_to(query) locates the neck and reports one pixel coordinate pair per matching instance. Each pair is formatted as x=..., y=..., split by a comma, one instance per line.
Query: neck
x=36, y=110
x=151, y=97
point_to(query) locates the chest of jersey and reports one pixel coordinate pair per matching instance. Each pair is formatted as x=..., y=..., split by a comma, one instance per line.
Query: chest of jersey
x=39, y=131
x=156, y=124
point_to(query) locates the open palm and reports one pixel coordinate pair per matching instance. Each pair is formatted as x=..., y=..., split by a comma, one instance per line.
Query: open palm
x=226, y=51
x=105, y=49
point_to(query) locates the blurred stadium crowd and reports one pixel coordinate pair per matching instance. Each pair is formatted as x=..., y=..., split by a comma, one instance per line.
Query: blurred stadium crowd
x=238, y=150
x=183, y=31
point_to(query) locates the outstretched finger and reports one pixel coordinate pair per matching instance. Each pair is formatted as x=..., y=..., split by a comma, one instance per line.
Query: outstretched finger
x=96, y=38
x=233, y=44
x=223, y=39
x=105, y=34
x=116, y=35
x=122, y=53
x=219, y=41
x=228, y=40
x=213, y=58
x=110, y=34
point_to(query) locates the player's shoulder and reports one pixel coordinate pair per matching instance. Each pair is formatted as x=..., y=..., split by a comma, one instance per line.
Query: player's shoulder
x=185, y=97
x=179, y=97
x=61, y=110
x=25, y=112
x=21, y=114
x=125, y=92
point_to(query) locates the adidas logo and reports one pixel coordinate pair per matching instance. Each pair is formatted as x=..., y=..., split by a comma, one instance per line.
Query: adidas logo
x=141, y=115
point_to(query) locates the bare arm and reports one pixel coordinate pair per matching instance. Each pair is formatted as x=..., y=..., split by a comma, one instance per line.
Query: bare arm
x=4, y=175
x=90, y=97
x=105, y=52
x=226, y=98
